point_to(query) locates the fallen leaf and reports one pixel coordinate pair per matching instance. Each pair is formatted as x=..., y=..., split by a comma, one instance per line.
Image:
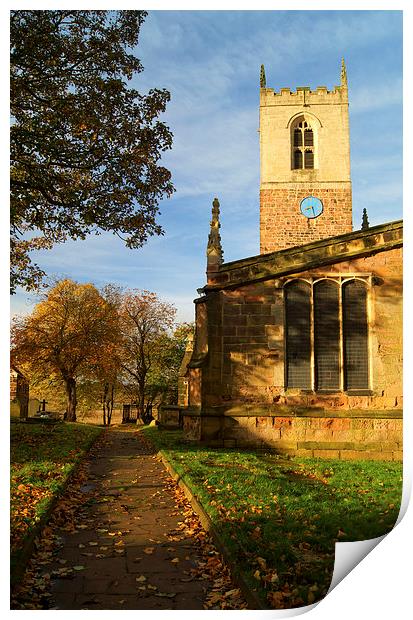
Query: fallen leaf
x=149, y=550
x=141, y=578
x=232, y=592
x=166, y=594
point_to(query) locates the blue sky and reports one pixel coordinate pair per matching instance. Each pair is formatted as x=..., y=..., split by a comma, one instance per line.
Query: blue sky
x=210, y=63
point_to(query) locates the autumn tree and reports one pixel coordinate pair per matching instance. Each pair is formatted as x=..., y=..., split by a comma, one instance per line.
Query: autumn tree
x=68, y=332
x=107, y=367
x=144, y=320
x=85, y=144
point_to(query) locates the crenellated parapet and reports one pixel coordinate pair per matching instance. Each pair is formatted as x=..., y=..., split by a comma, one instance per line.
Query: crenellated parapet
x=303, y=95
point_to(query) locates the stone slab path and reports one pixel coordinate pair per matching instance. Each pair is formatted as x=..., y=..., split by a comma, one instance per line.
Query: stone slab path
x=130, y=548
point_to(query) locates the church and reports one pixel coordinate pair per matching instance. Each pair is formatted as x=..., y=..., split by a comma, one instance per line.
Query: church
x=299, y=348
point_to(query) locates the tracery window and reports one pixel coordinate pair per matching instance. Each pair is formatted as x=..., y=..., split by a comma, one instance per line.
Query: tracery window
x=302, y=145
x=298, y=334
x=326, y=335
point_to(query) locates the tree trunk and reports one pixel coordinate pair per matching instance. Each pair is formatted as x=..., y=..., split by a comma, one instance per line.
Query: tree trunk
x=71, y=399
x=105, y=393
x=108, y=397
x=110, y=404
x=141, y=401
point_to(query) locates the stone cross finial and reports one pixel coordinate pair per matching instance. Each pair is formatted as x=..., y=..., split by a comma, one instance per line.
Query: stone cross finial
x=365, y=222
x=343, y=73
x=214, y=249
x=263, y=81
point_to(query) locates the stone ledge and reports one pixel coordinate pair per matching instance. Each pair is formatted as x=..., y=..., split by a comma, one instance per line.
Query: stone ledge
x=304, y=257
x=275, y=411
x=252, y=599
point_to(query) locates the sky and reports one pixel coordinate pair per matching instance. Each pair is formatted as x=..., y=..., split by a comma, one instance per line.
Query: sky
x=210, y=62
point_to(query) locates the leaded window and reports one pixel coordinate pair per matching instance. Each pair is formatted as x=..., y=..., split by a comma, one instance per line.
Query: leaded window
x=303, y=145
x=326, y=327
x=298, y=334
x=326, y=335
x=355, y=331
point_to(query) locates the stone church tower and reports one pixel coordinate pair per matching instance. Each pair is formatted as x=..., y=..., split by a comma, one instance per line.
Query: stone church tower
x=299, y=349
x=305, y=186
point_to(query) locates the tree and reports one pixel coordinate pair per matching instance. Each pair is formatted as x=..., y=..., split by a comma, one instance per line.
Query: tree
x=108, y=366
x=85, y=144
x=66, y=335
x=144, y=320
x=162, y=381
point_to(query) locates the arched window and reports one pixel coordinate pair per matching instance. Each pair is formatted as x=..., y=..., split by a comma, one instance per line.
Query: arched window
x=326, y=335
x=298, y=334
x=355, y=333
x=303, y=145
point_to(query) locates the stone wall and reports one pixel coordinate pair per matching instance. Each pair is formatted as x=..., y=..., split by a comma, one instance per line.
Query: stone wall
x=240, y=362
x=281, y=205
x=282, y=187
x=355, y=436
x=246, y=343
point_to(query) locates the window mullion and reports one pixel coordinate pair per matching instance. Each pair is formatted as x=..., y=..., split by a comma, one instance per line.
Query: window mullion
x=340, y=321
x=312, y=355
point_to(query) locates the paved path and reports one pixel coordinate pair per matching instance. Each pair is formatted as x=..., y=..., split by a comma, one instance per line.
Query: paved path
x=130, y=548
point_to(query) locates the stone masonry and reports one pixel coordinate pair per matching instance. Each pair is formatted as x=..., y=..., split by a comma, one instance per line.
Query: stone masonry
x=237, y=382
x=282, y=187
x=284, y=318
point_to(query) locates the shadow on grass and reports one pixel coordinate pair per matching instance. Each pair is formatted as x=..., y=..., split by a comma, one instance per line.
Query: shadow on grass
x=280, y=518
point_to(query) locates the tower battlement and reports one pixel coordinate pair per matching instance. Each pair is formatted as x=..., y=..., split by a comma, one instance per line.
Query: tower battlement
x=304, y=155
x=304, y=96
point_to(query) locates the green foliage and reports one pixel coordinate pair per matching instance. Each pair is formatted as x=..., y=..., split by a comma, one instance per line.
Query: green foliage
x=85, y=144
x=162, y=381
x=280, y=518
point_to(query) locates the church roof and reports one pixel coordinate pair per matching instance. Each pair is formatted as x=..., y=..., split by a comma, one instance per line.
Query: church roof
x=309, y=256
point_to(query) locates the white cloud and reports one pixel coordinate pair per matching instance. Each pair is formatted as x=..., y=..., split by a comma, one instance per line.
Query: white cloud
x=376, y=96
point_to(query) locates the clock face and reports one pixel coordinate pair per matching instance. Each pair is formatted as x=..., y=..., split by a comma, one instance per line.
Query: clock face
x=311, y=207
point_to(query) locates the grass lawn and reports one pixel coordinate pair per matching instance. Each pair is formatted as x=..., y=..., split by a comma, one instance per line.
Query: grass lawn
x=279, y=517
x=42, y=458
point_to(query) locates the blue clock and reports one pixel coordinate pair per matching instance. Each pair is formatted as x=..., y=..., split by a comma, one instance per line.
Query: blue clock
x=311, y=207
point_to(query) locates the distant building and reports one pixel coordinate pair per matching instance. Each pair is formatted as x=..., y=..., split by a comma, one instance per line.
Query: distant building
x=300, y=347
x=19, y=393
